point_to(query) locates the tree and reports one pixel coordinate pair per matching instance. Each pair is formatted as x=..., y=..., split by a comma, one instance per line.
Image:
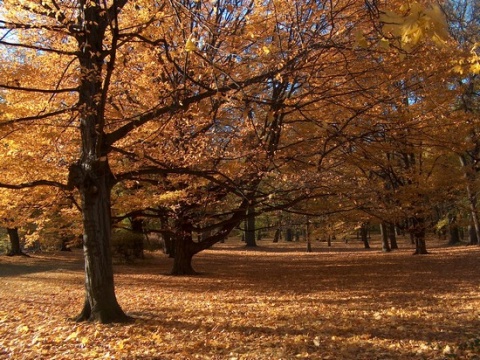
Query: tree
x=91, y=43
x=14, y=242
x=464, y=24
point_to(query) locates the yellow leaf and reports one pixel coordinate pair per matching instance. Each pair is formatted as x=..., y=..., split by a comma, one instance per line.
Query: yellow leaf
x=72, y=336
x=266, y=50
x=190, y=45
x=360, y=39
x=24, y=329
x=384, y=44
x=475, y=68
x=458, y=69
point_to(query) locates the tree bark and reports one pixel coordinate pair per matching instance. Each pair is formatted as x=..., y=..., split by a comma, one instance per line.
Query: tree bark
x=472, y=234
x=277, y=235
x=454, y=234
x=418, y=232
x=250, y=228
x=307, y=235
x=385, y=244
x=364, y=235
x=138, y=245
x=392, y=236
x=184, y=252
x=100, y=301
x=91, y=175
x=15, y=249
x=289, y=235
x=470, y=175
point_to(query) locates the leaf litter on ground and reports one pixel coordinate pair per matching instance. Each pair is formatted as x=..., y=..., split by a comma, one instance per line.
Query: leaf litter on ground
x=271, y=302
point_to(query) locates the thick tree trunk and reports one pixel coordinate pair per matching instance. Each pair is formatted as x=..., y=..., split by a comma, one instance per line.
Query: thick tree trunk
x=250, y=228
x=91, y=175
x=364, y=235
x=100, y=301
x=454, y=234
x=15, y=249
x=184, y=252
x=277, y=235
x=392, y=236
x=472, y=234
x=420, y=246
x=384, y=231
x=138, y=245
x=289, y=235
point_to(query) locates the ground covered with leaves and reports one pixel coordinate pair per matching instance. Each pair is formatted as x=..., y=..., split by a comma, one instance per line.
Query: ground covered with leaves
x=273, y=302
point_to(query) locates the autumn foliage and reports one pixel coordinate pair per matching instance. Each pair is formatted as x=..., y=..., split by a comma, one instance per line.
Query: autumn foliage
x=190, y=118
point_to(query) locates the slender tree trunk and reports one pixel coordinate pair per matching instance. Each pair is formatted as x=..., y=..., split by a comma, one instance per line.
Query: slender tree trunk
x=64, y=246
x=384, y=231
x=472, y=197
x=278, y=231
x=454, y=234
x=169, y=244
x=15, y=249
x=392, y=236
x=250, y=228
x=470, y=175
x=473, y=240
x=418, y=232
x=364, y=235
x=307, y=235
x=168, y=239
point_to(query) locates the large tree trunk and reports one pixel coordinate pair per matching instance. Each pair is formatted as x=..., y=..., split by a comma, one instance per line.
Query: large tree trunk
x=289, y=235
x=250, y=228
x=15, y=248
x=91, y=174
x=138, y=245
x=277, y=235
x=100, y=301
x=184, y=252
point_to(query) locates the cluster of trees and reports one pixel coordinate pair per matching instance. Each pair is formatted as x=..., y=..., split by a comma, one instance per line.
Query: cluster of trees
x=198, y=115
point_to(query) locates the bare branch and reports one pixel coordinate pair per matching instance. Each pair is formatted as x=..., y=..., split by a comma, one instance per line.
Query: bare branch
x=35, y=184
x=34, y=117
x=44, y=91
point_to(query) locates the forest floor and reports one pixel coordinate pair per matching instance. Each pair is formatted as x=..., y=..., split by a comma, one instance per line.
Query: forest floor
x=272, y=302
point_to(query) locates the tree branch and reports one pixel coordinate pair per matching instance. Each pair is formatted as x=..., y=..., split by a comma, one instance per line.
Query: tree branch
x=44, y=91
x=35, y=184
